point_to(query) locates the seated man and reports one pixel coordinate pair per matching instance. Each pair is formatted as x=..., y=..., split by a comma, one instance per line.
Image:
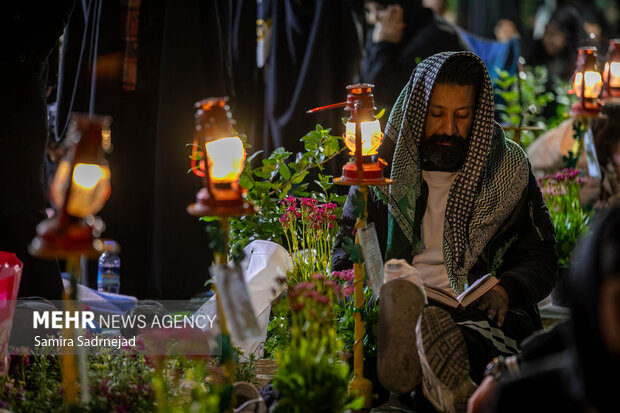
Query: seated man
x=463, y=203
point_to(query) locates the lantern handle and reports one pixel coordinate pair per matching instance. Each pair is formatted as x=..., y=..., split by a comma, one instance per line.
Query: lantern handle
x=327, y=107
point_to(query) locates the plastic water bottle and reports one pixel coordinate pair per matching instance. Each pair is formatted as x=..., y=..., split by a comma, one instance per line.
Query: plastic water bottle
x=109, y=273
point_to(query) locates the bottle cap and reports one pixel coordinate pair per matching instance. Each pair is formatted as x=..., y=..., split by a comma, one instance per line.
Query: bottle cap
x=111, y=246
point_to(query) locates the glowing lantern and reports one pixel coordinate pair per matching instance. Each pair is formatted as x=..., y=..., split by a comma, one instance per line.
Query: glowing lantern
x=587, y=83
x=611, y=72
x=363, y=137
x=218, y=157
x=79, y=189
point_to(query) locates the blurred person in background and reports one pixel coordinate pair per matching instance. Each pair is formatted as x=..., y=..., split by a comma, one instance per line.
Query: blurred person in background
x=557, y=49
x=402, y=33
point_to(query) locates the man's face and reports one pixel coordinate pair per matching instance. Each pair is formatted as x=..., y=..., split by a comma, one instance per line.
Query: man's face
x=448, y=124
x=554, y=41
x=373, y=12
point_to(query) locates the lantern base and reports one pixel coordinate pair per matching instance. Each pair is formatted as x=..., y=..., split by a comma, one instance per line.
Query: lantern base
x=371, y=174
x=57, y=239
x=577, y=109
x=228, y=204
x=611, y=101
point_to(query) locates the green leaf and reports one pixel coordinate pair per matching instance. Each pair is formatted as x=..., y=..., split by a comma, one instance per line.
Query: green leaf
x=284, y=171
x=353, y=250
x=331, y=146
x=324, y=185
x=261, y=174
x=380, y=114
x=301, y=190
x=359, y=205
x=284, y=191
x=300, y=177
x=254, y=155
x=263, y=186
x=210, y=219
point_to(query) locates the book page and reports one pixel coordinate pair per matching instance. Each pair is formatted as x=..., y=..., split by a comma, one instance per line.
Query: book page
x=477, y=289
x=439, y=295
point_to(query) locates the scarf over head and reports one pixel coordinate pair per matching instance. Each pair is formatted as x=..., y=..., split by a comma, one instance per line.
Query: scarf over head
x=485, y=191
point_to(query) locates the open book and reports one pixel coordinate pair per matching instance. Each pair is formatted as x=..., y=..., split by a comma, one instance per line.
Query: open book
x=450, y=299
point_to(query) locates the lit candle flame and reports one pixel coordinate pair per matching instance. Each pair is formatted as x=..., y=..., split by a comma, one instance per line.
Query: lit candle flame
x=371, y=137
x=226, y=159
x=614, y=74
x=593, y=84
x=87, y=175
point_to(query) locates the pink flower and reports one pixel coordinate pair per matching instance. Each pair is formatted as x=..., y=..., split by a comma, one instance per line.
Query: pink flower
x=344, y=275
x=318, y=276
x=347, y=290
x=311, y=202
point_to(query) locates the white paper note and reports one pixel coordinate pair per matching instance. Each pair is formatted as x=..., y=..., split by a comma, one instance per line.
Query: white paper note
x=373, y=261
x=240, y=316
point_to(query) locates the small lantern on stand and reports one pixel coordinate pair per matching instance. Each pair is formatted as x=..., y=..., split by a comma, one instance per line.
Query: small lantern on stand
x=611, y=73
x=587, y=84
x=221, y=157
x=363, y=137
x=218, y=156
x=79, y=189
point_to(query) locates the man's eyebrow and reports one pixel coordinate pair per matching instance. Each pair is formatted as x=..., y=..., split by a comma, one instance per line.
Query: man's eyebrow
x=443, y=107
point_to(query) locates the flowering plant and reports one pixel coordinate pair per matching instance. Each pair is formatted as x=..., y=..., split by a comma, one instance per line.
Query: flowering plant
x=311, y=377
x=309, y=231
x=570, y=219
x=121, y=380
x=282, y=173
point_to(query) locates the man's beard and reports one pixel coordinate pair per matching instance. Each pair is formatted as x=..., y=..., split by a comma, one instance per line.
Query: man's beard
x=443, y=153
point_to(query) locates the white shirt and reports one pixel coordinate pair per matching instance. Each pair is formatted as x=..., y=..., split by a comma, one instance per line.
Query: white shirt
x=429, y=261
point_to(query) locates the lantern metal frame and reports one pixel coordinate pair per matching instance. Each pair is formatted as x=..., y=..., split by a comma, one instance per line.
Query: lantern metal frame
x=611, y=94
x=213, y=122
x=362, y=170
x=587, y=60
x=65, y=235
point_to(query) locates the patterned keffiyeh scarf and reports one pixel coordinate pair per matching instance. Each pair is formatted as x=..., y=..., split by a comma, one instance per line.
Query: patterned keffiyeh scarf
x=486, y=189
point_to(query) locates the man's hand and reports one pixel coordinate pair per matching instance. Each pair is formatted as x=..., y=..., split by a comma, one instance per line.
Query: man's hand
x=390, y=25
x=495, y=304
x=482, y=394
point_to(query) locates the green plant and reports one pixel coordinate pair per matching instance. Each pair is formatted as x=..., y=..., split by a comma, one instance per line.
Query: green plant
x=570, y=219
x=278, y=332
x=345, y=316
x=246, y=371
x=119, y=381
x=276, y=177
x=522, y=101
x=189, y=385
x=310, y=376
